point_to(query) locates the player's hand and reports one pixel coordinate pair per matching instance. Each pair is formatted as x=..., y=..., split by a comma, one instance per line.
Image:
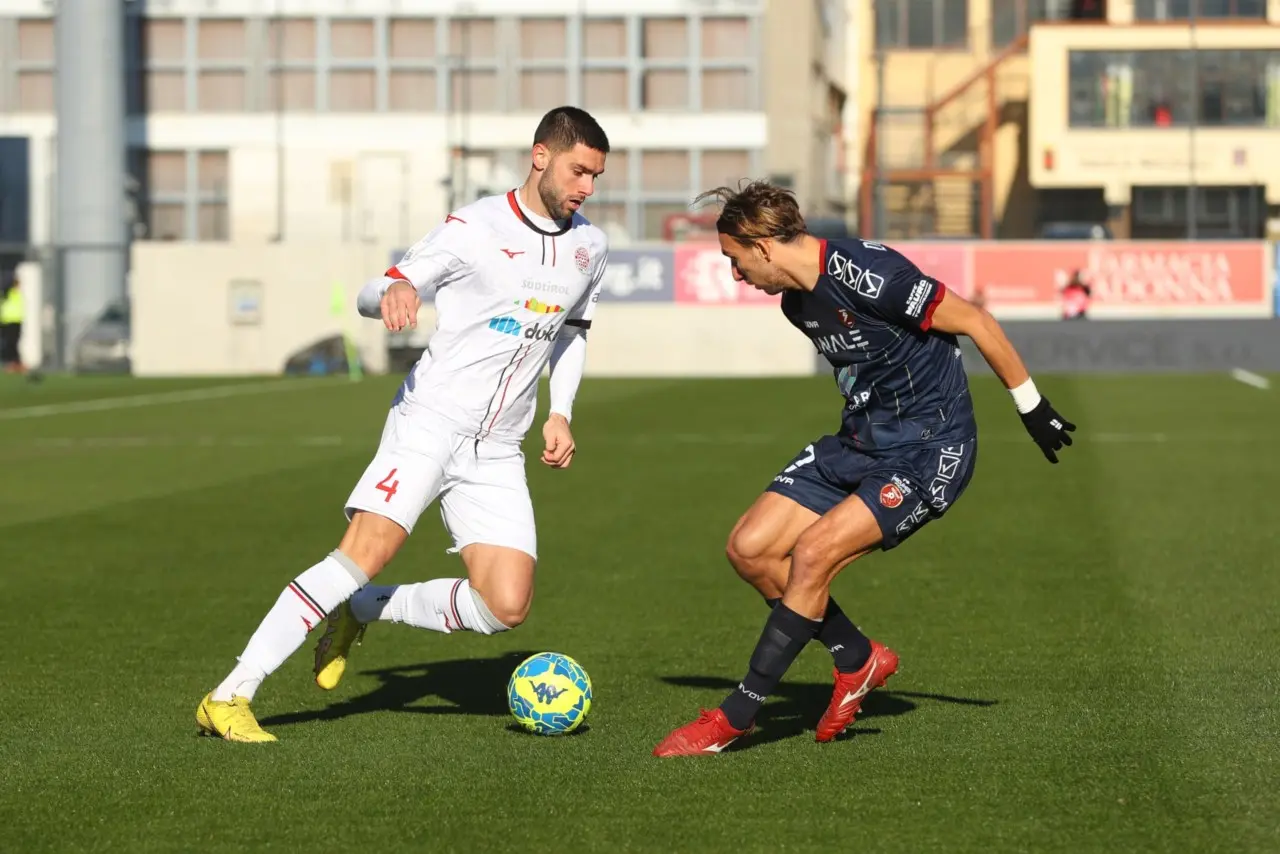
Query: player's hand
x=1049, y=429
x=559, y=439
x=400, y=306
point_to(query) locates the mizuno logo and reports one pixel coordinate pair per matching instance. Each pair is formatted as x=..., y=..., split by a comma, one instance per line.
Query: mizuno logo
x=546, y=693
x=862, y=690
x=511, y=253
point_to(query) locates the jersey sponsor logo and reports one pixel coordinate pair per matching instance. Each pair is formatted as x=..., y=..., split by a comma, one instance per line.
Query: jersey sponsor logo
x=535, y=304
x=582, y=258
x=538, y=286
x=890, y=495
x=507, y=325
x=839, y=343
x=511, y=253
x=849, y=274
x=919, y=298
x=846, y=317
x=901, y=483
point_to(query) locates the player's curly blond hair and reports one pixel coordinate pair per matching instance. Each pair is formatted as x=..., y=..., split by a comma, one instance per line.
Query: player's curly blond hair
x=757, y=211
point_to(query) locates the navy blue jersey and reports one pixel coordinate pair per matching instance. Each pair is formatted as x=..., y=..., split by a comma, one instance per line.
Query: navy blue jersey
x=870, y=316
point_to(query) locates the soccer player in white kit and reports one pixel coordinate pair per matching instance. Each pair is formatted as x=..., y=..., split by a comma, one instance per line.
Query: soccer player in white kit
x=516, y=280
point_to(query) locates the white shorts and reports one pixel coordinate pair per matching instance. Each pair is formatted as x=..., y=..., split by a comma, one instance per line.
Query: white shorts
x=484, y=497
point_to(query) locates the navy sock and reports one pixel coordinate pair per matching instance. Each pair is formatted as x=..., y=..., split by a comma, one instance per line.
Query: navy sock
x=785, y=635
x=848, y=646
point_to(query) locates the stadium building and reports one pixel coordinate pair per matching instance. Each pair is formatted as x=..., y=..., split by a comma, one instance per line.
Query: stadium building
x=1024, y=118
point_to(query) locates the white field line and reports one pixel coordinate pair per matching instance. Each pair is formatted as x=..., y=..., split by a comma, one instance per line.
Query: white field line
x=107, y=404
x=1250, y=378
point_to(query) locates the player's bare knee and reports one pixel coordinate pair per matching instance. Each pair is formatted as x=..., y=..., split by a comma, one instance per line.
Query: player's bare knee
x=371, y=542
x=508, y=607
x=814, y=561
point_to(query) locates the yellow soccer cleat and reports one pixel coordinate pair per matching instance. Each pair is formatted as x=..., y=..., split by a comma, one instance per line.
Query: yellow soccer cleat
x=341, y=631
x=233, y=720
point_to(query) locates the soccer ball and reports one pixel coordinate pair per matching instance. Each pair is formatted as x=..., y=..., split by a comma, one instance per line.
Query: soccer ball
x=549, y=694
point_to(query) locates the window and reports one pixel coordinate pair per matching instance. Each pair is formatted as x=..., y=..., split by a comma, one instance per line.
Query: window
x=726, y=38
x=616, y=179
x=665, y=90
x=291, y=78
x=411, y=91
x=351, y=39
x=35, y=58
x=725, y=168
x=411, y=78
x=353, y=91
x=1177, y=10
x=475, y=90
x=473, y=38
x=543, y=38
x=726, y=89
x=541, y=90
x=222, y=55
x=1170, y=88
x=604, y=89
x=604, y=38
x=922, y=24
x=411, y=38
x=1013, y=18
x=665, y=38
x=665, y=170
x=183, y=194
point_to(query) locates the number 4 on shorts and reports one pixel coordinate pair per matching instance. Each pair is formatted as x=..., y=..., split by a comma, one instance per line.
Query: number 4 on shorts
x=388, y=485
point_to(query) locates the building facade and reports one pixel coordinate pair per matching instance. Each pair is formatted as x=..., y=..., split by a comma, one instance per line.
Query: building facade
x=998, y=118
x=329, y=120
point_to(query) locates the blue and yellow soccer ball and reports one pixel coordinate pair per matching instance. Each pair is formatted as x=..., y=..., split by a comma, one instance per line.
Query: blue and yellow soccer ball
x=549, y=694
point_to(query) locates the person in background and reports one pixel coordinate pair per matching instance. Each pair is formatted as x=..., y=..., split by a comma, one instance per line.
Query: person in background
x=11, y=315
x=1076, y=295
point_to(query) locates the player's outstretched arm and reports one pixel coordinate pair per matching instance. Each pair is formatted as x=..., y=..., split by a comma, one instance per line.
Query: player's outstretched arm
x=958, y=316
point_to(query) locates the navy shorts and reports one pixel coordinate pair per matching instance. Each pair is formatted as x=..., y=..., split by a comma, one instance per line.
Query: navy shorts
x=904, y=490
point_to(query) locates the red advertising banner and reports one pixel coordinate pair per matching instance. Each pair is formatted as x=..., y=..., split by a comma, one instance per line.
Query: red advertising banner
x=946, y=262
x=703, y=277
x=1133, y=277
x=1127, y=278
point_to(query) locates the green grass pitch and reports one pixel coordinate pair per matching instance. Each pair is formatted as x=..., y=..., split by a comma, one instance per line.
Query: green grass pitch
x=1089, y=650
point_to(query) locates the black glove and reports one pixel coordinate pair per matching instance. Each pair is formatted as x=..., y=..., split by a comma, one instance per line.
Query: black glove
x=1049, y=429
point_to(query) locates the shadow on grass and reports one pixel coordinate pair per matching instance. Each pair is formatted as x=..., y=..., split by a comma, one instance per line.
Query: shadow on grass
x=466, y=686
x=795, y=707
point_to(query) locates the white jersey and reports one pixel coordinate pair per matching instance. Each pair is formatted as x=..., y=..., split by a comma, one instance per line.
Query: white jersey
x=506, y=282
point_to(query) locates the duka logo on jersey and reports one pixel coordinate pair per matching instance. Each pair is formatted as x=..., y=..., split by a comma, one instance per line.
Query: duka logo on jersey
x=849, y=274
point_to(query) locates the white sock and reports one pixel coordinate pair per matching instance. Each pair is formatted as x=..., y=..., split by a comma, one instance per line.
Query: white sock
x=441, y=605
x=301, y=607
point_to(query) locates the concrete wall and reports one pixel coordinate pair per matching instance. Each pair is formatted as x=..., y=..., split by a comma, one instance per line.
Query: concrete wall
x=183, y=299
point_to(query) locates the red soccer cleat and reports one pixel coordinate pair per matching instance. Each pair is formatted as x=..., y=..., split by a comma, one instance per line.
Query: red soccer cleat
x=709, y=734
x=851, y=688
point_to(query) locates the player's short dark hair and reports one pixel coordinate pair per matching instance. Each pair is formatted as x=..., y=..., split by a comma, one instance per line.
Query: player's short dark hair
x=757, y=211
x=564, y=127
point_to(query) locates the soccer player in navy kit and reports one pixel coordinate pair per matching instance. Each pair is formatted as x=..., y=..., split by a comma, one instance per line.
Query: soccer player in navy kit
x=904, y=453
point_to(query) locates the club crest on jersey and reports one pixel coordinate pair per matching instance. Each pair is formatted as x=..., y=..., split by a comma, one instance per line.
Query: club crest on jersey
x=890, y=495
x=582, y=258
x=846, y=317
